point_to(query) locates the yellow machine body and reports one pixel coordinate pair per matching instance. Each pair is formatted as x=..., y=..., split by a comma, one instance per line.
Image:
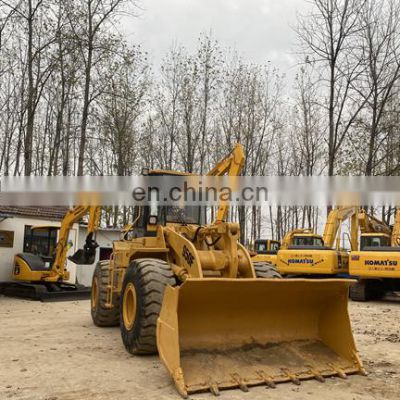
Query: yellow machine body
x=41, y=273
x=30, y=267
x=312, y=262
x=216, y=334
x=23, y=271
x=375, y=264
x=218, y=325
x=265, y=250
x=268, y=258
x=305, y=253
x=380, y=261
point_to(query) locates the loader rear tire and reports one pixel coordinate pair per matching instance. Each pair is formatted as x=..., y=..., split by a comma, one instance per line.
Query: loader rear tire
x=266, y=271
x=101, y=315
x=141, y=300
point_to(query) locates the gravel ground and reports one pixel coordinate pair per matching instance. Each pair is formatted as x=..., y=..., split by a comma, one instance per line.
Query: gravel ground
x=52, y=351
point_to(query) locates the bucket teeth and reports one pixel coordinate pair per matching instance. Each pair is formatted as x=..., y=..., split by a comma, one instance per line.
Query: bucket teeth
x=179, y=383
x=318, y=376
x=267, y=380
x=339, y=372
x=295, y=380
x=240, y=382
x=214, y=389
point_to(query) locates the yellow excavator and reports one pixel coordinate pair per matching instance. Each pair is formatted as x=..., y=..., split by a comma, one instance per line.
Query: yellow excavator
x=376, y=263
x=265, y=250
x=43, y=275
x=305, y=253
x=190, y=291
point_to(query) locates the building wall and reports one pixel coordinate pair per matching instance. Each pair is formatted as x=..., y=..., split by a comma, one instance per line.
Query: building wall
x=78, y=273
x=104, y=238
x=17, y=225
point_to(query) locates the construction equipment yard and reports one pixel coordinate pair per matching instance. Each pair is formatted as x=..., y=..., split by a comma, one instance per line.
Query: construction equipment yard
x=52, y=351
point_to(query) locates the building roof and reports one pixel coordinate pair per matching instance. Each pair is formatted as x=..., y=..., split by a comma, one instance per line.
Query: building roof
x=50, y=213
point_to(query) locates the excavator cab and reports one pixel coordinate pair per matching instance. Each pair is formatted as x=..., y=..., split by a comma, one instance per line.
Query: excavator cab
x=266, y=246
x=39, y=253
x=308, y=240
x=374, y=240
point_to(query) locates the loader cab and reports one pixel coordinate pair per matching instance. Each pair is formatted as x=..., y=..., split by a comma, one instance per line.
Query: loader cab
x=266, y=246
x=375, y=240
x=148, y=217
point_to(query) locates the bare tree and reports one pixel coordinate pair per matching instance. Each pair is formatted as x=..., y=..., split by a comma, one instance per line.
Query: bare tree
x=380, y=43
x=327, y=37
x=87, y=20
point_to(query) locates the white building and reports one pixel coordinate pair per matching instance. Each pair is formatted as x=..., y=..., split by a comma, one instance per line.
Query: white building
x=15, y=224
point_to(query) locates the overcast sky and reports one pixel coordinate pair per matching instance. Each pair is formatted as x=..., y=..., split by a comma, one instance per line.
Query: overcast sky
x=259, y=29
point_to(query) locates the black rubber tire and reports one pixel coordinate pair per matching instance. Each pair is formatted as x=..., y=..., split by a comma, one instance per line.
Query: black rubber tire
x=149, y=278
x=265, y=270
x=101, y=315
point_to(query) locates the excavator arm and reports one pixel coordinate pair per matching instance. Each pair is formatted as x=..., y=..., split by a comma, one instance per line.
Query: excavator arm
x=82, y=256
x=231, y=165
x=370, y=224
x=396, y=230
x=333, y=224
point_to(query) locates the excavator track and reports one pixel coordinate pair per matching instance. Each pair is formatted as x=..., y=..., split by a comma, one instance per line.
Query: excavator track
x=45, y=292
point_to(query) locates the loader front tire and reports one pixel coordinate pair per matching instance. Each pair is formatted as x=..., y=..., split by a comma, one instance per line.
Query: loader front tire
x=141, y=299
x=101, y=315
x=266, y=271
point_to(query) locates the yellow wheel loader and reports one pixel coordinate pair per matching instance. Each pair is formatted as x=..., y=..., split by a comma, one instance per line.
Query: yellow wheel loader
x=41, y=274
x=377, y=262
x=305, y=253
x=189, y=291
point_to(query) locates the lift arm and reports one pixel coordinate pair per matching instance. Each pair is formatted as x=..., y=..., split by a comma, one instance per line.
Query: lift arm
x=231, y=165
x=333, y=224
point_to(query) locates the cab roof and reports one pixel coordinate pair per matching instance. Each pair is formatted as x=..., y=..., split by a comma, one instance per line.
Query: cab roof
x=160, y=172
x=376, y=234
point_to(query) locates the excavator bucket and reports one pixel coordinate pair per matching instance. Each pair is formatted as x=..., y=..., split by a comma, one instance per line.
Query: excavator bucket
x=83, y=257
x=215, y=334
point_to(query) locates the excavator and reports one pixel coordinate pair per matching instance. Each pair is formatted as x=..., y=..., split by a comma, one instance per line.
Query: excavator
x=305, y=253
x=190, y=292
x=44, y=276
x=265, y=250
x=376, y=263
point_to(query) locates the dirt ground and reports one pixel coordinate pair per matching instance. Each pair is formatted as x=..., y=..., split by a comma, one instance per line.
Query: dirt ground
x=52, y=351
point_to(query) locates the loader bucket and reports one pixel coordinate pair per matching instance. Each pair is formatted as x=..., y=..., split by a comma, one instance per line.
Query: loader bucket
x=217, y=334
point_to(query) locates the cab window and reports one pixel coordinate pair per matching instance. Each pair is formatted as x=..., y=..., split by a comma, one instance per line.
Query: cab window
x=308, y=241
